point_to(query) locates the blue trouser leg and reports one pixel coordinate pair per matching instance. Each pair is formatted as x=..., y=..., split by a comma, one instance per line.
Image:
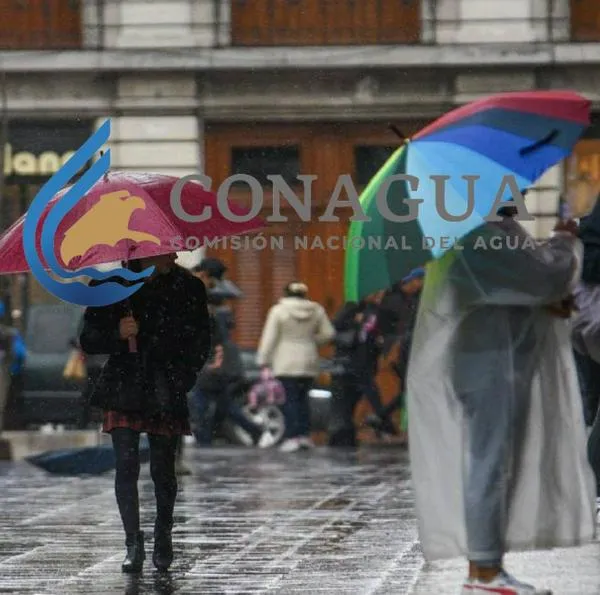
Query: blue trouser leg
x=495, y=435
x=296, y=407
x=204, y=425
x=304, y=409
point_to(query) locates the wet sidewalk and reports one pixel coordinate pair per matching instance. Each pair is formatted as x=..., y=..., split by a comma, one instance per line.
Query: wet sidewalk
x=248, y=522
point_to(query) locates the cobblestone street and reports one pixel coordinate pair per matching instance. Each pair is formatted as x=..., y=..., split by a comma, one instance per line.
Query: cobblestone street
x=248, y=522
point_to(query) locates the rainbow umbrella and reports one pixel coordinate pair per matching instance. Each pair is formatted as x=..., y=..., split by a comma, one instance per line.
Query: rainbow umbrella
x=519, y=135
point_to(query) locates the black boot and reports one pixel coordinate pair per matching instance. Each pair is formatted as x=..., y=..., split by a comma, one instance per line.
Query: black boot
x=162, y=556
x=134, y=560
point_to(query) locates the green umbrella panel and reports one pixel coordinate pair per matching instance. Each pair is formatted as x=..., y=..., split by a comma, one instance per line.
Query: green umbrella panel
x=381, y=252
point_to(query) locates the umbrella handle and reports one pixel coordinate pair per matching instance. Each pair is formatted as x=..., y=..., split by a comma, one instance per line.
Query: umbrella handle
x=132, y=345
x=132, y=340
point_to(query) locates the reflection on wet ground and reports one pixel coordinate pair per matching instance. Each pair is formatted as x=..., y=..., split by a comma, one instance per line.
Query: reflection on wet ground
x=247, y=522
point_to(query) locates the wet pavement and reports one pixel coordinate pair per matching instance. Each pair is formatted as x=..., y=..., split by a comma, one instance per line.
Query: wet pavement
x=248, y=521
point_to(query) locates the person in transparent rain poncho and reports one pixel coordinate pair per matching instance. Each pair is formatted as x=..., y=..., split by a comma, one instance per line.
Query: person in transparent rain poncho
x=497, y=437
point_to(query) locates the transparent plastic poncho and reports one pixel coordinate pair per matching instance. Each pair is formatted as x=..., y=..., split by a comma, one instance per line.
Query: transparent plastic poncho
x=483, y=326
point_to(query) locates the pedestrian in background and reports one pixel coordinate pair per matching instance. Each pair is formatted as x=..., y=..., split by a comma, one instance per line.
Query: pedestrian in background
x=12, y=360
x=401, y=305
x=289, y=346
x=146, y=391
x=358, y=343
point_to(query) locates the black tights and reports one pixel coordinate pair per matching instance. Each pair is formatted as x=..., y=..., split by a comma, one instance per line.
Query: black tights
x=162, y=469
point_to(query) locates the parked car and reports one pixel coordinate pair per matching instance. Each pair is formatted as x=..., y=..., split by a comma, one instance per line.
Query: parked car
x=47, y=396
x=270, y=415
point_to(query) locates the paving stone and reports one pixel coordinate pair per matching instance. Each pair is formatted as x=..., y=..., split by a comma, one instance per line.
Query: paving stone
x=248, y=522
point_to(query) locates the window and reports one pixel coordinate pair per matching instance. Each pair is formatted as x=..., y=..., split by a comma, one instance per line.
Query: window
x=260, y=162
x=368, y=159
x=51, y=330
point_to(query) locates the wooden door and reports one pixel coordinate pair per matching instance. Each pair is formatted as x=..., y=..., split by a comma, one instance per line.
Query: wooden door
x=297, y=22
x=261, y=267
x=399, y=21
x=585, y=20
x=325, y=22
x=250, y=22
x=40, y=24
x=275, y=22
x=327, y=151
x=371, y=22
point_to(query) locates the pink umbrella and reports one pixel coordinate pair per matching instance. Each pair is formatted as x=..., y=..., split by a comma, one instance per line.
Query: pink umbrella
x=125, y=215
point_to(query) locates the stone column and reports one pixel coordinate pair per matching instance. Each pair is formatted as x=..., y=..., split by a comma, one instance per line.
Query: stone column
x=161, y=23
x=145, y=139
x=494, y=22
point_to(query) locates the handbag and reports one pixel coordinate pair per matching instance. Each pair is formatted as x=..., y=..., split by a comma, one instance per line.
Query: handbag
x=75, y=368
x=585, y=328
x=268, y=391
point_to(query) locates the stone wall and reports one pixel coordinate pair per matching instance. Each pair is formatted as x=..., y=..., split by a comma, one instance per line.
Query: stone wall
x=156, y=24
x=205, y=23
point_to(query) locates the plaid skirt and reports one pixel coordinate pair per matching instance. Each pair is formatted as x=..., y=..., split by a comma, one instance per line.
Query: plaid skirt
x=162, y=427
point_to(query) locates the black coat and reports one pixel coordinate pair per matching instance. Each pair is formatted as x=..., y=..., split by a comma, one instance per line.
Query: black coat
x=173, y=344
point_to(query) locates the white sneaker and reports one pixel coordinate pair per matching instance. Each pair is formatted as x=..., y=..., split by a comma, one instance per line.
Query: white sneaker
x=305, y=442
x=266, y=440
x=503, y=584
x=290, y=445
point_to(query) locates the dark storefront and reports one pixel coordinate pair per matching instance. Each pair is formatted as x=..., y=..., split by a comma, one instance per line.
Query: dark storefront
x=34, y=150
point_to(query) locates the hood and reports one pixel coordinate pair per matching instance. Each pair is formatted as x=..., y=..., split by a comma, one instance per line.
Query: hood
x=298, y=308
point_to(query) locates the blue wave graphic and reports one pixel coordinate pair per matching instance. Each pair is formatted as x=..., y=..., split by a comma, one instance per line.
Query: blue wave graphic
x=75, y=292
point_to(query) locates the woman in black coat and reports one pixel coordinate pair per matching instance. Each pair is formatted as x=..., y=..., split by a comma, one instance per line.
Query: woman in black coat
x=145, y=391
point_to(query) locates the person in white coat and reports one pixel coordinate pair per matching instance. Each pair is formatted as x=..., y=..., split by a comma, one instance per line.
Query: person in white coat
x=294, y=330
x=497, y=438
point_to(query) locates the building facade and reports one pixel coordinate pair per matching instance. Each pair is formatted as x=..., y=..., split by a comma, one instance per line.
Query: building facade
x=288, y=87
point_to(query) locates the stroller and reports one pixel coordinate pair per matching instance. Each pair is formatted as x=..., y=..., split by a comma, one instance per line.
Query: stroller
x=263, y=407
